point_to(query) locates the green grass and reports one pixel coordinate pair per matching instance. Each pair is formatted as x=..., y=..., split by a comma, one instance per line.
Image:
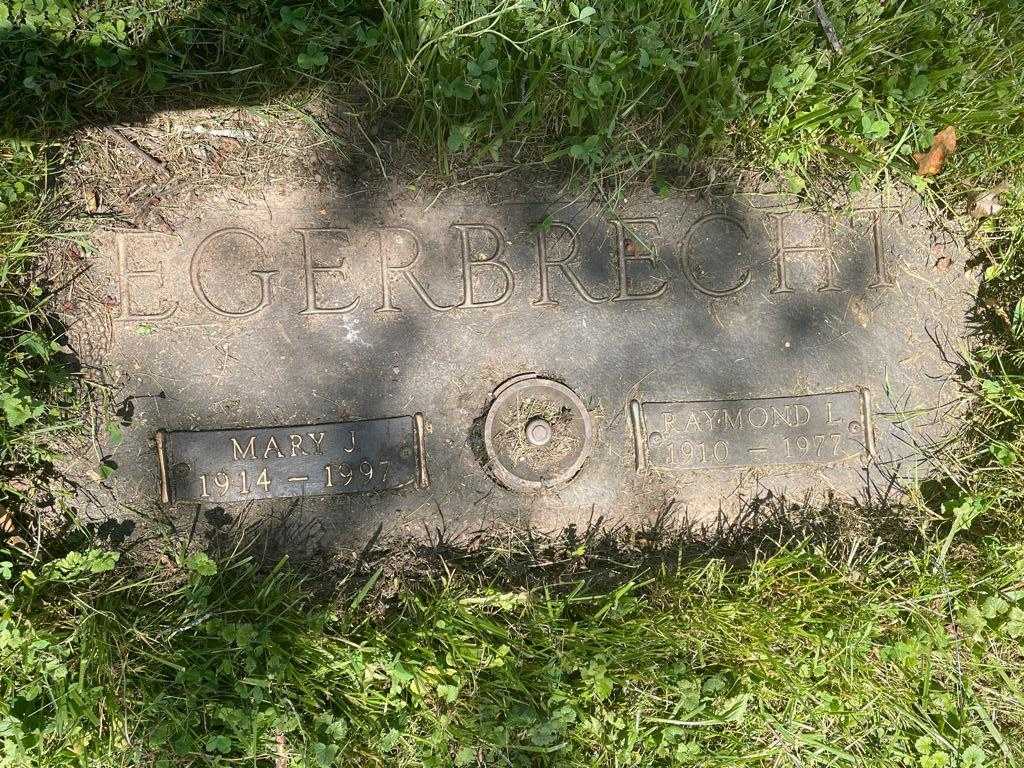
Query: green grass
x=800, y=659
x=909, y=656
x=632, y=86
x=34, y=385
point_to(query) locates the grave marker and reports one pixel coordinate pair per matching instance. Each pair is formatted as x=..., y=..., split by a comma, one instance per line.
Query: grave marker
x=329, y=308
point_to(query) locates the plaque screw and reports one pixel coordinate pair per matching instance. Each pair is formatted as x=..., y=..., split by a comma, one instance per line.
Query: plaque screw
x=538, y=432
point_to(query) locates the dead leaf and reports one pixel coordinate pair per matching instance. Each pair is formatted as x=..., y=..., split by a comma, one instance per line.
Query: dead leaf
x=988, y=202
x=216, y=163
x=943, y=145
x=860, y=312
x=6, y=524
x=92, y=199
x=944, y=262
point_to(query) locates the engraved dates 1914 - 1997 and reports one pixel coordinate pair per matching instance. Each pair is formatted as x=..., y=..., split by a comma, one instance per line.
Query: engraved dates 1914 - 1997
x=538, y=434
x=234, y=465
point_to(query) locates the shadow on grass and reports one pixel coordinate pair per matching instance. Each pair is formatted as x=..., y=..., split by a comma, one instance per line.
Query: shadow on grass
x=236, y=53
x=598, y=556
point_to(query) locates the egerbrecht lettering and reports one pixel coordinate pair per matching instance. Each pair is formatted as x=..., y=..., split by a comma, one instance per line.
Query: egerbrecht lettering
x=388, y=269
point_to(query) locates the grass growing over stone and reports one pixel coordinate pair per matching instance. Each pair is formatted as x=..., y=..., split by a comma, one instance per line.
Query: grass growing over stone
x=807, y=654
x=799, y=658
x=34, y=385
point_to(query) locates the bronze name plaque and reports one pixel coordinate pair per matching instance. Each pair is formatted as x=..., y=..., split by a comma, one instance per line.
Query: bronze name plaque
x=233, y=465
x=801, y=429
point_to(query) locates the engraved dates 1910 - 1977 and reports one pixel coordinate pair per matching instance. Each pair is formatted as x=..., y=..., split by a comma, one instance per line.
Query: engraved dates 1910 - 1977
x=803, y=429
x=231, y=465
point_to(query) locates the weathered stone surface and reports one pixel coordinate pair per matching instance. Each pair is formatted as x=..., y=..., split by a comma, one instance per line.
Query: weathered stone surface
x=311, y=307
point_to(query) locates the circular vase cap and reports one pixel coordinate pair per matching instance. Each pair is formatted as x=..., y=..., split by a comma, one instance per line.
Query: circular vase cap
x=537, y=433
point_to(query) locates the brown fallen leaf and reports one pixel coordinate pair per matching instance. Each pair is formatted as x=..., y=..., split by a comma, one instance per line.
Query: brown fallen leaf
x=943, y=145
x=6, y=524
x=860, y=312
x=91, y=198
x=988, y=202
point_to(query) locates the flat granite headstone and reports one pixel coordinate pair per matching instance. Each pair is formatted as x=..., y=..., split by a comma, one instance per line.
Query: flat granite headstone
x=498, y=355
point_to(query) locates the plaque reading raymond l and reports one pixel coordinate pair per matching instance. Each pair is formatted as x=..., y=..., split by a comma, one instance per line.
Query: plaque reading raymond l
x=522, y=324
x=805, y=429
